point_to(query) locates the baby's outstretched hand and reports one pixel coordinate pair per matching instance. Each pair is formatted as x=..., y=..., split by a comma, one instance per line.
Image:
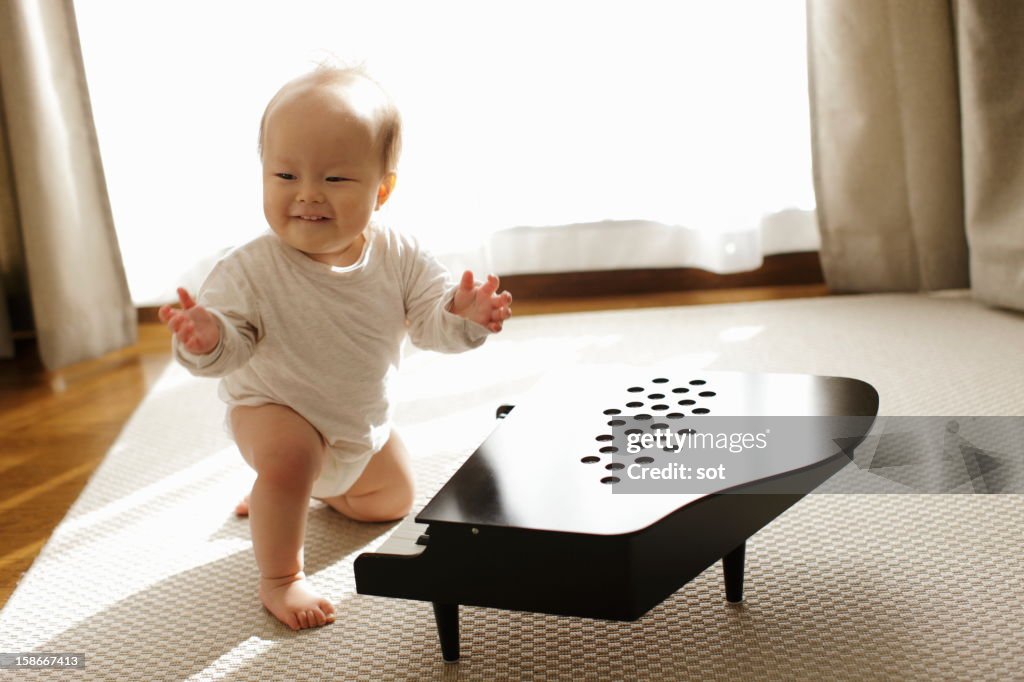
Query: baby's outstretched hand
x=480, y=303
x=194, y=326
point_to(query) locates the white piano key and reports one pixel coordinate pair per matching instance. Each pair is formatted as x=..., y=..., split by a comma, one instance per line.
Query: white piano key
x=403, y=539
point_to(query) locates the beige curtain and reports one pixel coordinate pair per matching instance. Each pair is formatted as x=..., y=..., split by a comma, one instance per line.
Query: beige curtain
x=6, y=338
x=58, y=242
x=917, y=110
x=12, y=275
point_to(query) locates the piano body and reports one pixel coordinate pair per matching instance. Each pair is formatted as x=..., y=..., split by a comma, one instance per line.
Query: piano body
x=532, y=521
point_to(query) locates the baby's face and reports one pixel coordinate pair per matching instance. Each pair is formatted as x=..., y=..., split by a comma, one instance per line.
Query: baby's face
x=322, y=174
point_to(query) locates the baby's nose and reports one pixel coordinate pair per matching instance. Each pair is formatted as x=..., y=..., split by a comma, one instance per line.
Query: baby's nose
x=310, y=194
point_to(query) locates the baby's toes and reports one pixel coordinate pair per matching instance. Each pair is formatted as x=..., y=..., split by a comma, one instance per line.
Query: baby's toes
x=327, y=608
x=315, y=617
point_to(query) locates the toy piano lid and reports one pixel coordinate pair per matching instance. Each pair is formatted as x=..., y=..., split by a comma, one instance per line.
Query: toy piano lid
x=537, y=469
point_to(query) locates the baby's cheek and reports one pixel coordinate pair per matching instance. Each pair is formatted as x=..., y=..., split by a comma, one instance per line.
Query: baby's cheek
x=270, y=202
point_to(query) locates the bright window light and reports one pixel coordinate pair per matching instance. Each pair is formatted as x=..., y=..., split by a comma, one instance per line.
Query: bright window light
x=518, y=113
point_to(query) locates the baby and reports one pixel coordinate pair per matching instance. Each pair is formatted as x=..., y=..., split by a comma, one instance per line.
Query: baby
x=305, y=325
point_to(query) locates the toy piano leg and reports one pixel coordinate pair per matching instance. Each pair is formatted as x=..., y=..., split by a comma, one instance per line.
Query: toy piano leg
x=732, y=570
x=447, y=617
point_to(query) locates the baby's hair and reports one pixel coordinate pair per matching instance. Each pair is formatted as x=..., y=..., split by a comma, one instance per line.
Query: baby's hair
x=389, y=134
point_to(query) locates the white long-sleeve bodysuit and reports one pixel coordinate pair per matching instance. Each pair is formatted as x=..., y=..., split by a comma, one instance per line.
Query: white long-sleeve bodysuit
x=326, y=341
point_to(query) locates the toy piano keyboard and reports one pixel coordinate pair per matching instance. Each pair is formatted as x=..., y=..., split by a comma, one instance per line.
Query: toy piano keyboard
x=531, y=520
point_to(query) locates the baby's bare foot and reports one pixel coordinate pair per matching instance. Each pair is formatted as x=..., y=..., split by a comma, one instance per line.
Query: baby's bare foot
x=242, y=508
x=292, y=601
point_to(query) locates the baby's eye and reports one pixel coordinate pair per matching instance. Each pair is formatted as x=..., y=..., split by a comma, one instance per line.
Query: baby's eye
x=285, y=176
x=335, y=178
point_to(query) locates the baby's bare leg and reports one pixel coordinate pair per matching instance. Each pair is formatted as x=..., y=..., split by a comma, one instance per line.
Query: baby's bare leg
x=384, y=491
x=287, y=454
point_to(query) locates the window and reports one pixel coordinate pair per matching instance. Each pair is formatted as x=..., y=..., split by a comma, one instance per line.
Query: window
x=688, y=119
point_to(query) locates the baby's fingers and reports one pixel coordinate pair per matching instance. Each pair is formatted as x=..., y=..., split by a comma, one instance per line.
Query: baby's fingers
x=485, y=292
x=179, y=323
x=500, y=314
x=491, y=285
x=185, y=298
x=165, y=313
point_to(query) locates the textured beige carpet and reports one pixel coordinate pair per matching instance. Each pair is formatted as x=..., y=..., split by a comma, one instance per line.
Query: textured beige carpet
x=152, y=577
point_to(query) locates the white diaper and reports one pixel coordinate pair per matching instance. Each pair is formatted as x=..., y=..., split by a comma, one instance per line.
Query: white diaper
x=340, y=471
x=338, y=475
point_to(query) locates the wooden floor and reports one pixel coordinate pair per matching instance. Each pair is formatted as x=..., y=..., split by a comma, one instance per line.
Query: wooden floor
x=56, y=427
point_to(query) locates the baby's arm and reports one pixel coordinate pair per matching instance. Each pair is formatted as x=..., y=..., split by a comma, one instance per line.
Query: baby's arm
x=194, y=326
x=479, y=303
x=217, y=334
x=443, y=315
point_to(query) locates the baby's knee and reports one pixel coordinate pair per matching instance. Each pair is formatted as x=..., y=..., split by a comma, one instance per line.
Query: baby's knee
x=404, y=497
x=288, y=466
x=387, y=504
x=396, y=502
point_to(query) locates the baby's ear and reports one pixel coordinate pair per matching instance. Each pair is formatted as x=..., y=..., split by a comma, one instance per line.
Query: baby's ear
x=387, y=185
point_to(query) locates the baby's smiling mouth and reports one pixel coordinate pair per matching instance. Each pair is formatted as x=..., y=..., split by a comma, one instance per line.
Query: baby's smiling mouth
x=311, y=218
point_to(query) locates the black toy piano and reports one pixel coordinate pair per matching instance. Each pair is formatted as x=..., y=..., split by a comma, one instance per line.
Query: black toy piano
x=534, y=520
